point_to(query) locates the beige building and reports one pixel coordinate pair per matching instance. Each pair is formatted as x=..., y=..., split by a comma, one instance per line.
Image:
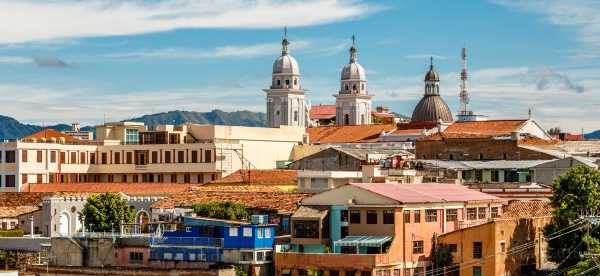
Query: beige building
x=128, y=152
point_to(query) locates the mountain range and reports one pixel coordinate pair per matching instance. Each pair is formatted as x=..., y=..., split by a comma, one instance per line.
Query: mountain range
x=10, y=128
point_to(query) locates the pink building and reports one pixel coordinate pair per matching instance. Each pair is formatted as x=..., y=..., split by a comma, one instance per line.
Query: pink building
x=378, y=228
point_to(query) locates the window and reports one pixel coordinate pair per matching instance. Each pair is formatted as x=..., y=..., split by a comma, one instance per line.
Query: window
x=129, y=157
x=477, y=271
x=188, y=229
x=246, y=256
x=1, y=160
x=10, y=180
x=494, y=213
x=430, y=215
x=10, y=156
x=267, y=233
x=194, y=156
x=52, y=156
x=39, y=179
x=247, y=232
x=24, y=156
x=207, y=156
x=417, y=214
x=167, y=157
x=407, y=216
x=82, y=158
x=39, y=156
x=417, y=247
x=260, y=233
x=502, y=246
x=481, y=156
x=471, y=213
x=295, y=81
x=117, y=159
x=131, y=136
x=92, y=158
x=344, y=215
x=136, y=257
x=388, y=217
x=481, y=212
x=453, y=247
x=104, y=158
x=495, y=175
x=154, y=157
x=179, y=256
x=24, y=179
x=295, y=115
x=355, y=216
x=287, y=82
x=477, y=250
x=371, y=217
x=167, y=256
x=192, y=256
x=451, y=215
x=233, y=231
x=180, y=156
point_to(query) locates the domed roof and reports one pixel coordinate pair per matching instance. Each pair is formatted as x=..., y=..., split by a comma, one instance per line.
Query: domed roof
x=286, y=64
x=353, y=71
x=432, y=108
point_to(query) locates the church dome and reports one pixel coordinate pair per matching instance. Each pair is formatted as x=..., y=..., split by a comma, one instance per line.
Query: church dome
x=432, y=75
x=353, y=71
x=286, y=64
x=432, y=108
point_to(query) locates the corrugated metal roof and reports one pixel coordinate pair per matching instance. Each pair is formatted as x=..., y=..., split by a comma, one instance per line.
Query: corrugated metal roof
x=426, y=193
x=491, y=164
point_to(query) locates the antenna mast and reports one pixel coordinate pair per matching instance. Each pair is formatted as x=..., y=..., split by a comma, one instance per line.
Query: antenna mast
x=464, y=95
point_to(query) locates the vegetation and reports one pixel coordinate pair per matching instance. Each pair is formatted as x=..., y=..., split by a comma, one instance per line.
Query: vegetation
x=11, y=233
x=554, y=131
x=222, y=210
x=105, y=212
x=575, y=191
x=441, y=255
x=240, y=270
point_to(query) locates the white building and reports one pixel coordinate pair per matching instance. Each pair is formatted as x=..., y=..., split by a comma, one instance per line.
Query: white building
x=127, y=152
x=353, y=102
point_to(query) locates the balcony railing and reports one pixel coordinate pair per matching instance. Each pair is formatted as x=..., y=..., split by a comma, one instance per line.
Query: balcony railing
x=193, y=241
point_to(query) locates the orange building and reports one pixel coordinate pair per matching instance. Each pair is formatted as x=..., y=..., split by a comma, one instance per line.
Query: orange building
x=378, y=228
x=510, y=245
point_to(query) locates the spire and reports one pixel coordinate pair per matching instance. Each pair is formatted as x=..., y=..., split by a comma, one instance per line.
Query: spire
x=284, y=42
x=353, y=51
x=430, y=62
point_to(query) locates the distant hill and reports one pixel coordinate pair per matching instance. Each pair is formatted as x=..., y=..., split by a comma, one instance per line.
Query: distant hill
x=13, y=129
x=593, y=135
x=217, y=117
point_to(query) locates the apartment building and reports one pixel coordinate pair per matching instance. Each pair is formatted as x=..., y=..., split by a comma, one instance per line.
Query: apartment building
x=378, y=228
x=128, y=152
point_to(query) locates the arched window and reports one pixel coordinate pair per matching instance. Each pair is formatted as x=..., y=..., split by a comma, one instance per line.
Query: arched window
x=346, y=87
x=346, y=119
x=278, y=82
x=295, y=81
x=481, y=156
x=451, y=157
x=277, y=112
x=295, y=115
x=287, y=82
x=354, y=87
x=362, y=87
x=362, y=119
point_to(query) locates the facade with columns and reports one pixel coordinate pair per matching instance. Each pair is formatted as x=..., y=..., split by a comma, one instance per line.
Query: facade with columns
x=353, y=102
x=285, y=97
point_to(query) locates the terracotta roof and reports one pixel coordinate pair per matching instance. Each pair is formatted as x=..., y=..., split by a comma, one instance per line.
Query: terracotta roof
x=346, y=134
x=15, y=199
x=527, y=209
x=414, y=131
x=51, y=133
x=383, y=114
x=427, y=192
x=326, y=111
x=490, y=127
x=280, y=177
x=11, y=212
x=253, y=198
x=133, y=189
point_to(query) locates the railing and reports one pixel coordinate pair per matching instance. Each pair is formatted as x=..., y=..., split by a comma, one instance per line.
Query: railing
x=194, y=241
x=110, y=235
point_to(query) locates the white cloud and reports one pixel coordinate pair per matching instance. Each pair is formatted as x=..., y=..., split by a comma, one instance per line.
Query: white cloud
x=15, y=59
x=69, y=19
x=582, y=15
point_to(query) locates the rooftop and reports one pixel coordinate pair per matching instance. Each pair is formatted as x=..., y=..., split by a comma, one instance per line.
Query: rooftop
x=488, y=128
x=11, y=212
x=325, y=111
x=426, y=193
x=15, y=199
x=132, y=189
x=48, y=134
x=527, y=209
x=260, y=177
x=346, y=134
x=264, y=198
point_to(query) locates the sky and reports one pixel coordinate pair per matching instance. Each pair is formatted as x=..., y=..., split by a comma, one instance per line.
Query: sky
x=64, y=61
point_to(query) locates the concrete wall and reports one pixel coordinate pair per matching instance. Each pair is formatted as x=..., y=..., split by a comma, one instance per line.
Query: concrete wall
x=328, y=160
x=66, y=252
x=470, y=149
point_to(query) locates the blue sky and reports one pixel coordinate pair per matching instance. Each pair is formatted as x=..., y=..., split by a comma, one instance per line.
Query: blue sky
x=64, y=61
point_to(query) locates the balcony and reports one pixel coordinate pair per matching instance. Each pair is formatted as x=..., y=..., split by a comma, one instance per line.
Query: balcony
x=187, y=241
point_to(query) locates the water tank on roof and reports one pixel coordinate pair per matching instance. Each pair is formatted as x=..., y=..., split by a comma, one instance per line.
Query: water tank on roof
x=260, y=219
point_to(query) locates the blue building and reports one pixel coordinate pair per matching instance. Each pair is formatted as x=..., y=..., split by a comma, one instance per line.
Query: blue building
x=217, y=241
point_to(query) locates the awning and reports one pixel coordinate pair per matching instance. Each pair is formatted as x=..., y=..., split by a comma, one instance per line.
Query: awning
x=362, y=241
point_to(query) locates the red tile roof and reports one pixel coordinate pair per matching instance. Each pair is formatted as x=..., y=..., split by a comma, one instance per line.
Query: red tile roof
x=126, y=188
x=252, y=198
x=427, y=192
x=322, y=112
x=490, y=128
x=346, y=134
x=279, y=177
x=527, y=209
x=51, y=133
x=14, y=204
x=383, y=114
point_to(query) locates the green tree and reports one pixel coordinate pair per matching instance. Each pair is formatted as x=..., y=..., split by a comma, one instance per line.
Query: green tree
x=575, y=191
x=554, y=131
x=222, y=210
x=105, y=212
x=441, y=256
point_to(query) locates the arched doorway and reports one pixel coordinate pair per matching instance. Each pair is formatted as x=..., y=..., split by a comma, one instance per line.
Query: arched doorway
x=64, y=226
